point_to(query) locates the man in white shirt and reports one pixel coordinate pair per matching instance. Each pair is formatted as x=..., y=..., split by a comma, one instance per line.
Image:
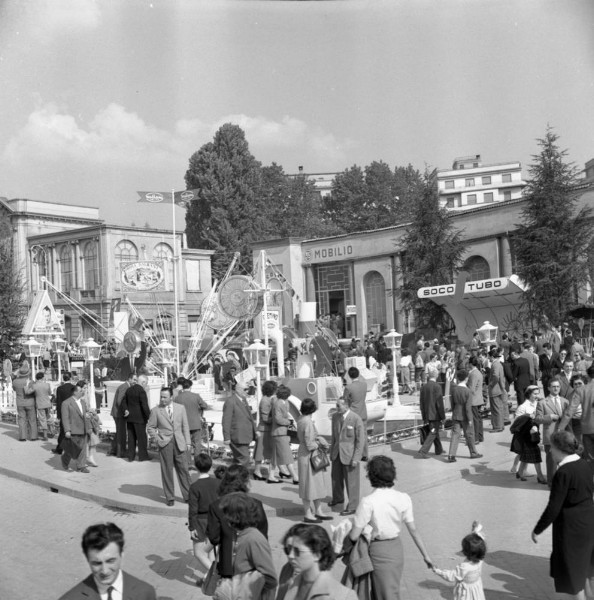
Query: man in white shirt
x=103, y=545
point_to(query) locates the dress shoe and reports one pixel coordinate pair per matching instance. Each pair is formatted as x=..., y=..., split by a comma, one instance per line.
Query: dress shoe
x=92, y=464
x=420, y=454
x=272, y=480
x=295, y=481
x=285, y=475
x=451, y=459
x=170, y=502
x=23, y=440
x=520, y=477
x=347, y=513
x=258, y=477
x=439, y=453
x=111, y=454
x=335, y=503
x=324, y=517
x=476, y=455
x=311, y=521
x=56, y=451
x=83, y=470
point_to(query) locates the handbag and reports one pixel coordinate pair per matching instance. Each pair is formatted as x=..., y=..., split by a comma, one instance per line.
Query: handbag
x=319, y=460
x=212, y=578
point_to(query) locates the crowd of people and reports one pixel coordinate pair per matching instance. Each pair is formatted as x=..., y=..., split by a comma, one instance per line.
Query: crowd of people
x=552, y=381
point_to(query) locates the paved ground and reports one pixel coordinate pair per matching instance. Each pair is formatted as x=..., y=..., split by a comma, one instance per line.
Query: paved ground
x=46, y=510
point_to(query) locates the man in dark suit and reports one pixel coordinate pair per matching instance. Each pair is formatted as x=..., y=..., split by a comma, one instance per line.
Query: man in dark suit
x=521, y=374
x=76, y=428
x=195, y=407
x=355, y=394
x=168, y=426
x=63, y=392
x=239, y=427
x=432, y=413
x=103, y=545
x=136, y=411
x=119, y=441
x=346, y=450
x=549, y=365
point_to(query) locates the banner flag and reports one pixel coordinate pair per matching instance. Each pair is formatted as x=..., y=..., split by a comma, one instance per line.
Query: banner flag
x=182, y=199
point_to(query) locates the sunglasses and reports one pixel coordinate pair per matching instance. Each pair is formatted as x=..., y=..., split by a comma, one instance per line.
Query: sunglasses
x=296, y=551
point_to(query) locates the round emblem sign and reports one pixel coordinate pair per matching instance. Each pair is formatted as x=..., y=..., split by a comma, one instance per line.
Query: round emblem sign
x=131, y=342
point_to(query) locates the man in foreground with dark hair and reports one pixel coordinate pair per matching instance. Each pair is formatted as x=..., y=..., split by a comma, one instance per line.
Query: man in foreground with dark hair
x=102, y=546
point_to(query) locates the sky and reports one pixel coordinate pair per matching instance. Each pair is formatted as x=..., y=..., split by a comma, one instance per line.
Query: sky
x=101, y=98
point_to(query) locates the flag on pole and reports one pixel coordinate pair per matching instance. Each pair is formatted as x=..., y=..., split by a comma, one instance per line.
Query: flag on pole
x=182, y=199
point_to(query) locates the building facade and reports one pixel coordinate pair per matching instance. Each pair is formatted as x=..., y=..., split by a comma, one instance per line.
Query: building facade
x=469, y=183
x=82, y=258
x=357, y=276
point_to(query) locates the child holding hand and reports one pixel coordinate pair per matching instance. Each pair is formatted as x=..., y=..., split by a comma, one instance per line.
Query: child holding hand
x=468, y=584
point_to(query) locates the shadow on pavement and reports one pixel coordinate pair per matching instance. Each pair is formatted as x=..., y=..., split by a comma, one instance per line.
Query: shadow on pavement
x=143, y=490
x=526, y=568
x=178, y=568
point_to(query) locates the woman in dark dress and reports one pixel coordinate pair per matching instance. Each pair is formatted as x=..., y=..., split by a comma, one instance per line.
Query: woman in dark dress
x=571, y=511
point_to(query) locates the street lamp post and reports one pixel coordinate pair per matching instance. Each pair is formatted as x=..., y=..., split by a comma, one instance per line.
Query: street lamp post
x=91, y=351
x=393, y=342
x=257, y=355
x=166, y=355
x=487, y=333
x=33, y=351
x=59, y=346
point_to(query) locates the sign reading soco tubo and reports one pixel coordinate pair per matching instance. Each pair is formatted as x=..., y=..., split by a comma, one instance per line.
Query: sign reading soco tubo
x=470, y=287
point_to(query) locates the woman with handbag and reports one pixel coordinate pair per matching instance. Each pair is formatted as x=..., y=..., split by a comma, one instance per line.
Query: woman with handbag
x=280, y=433
x=313, y=483
x=253, y=574
x=526, y=431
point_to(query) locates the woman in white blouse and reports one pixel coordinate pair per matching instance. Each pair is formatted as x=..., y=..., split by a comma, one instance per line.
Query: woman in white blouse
x=386, y=510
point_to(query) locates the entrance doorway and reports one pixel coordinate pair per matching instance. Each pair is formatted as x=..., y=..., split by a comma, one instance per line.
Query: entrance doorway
x=336, y=304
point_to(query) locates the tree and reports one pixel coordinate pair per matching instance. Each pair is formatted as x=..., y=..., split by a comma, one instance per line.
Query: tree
x=431, y=254
x=373, y=197
x=12, y=308
x=293, y=206
x=227, y=215
x=552, y=243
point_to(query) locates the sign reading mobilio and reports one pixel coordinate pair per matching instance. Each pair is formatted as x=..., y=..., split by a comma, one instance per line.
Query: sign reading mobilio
x=470, y=287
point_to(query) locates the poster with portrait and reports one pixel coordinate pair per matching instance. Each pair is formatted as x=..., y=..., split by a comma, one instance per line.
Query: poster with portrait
x=43, y=319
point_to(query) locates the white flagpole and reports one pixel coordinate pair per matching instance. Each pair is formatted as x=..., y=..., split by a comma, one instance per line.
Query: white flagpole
x=175, y=301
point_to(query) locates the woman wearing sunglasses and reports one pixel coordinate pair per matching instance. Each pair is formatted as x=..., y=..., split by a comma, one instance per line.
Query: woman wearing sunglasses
x=310, y=554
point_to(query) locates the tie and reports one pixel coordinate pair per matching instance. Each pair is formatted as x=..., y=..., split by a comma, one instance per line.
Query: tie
x=109, y=590
x=170, y=413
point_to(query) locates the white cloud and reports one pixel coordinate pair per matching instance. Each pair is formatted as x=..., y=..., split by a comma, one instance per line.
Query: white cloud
x=56, y=16
x=117, y=137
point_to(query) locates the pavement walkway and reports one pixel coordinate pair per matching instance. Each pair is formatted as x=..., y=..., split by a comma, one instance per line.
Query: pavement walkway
x=446, y=498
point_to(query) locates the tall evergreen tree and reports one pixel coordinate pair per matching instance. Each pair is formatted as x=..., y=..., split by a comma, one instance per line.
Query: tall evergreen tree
x=12, y=308
x=551, y=245
x=227, y=214
x=432, y=250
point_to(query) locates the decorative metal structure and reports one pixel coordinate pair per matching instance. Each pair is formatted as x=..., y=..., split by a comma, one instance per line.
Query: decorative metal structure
x=91, y=351
x=394, y=342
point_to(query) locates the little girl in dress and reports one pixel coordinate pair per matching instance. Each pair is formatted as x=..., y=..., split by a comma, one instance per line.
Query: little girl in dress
x=466, y=577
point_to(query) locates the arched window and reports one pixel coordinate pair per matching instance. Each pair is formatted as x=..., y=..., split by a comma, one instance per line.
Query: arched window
x=375, y=299
x=124, y=250
x=477, y=267
x=39, y=266
x=66, y=268
x=164, y=252
x=90, y=266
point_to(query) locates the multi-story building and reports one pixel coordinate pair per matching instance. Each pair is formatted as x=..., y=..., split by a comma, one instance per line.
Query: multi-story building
x=469, y=183
x=82, y=257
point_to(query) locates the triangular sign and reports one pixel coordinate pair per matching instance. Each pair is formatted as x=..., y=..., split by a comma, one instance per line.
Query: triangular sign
x=43, y=318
